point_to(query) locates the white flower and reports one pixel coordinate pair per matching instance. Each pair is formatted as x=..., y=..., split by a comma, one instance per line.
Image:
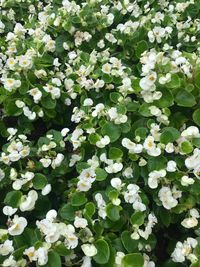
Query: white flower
x=118, y=258
x=80, y=222
x=114, y=168
x=2, y=27
x=46, y=190
x=31, y=253
x=54, y=91
x=189, y=222
x=36, y=94
x=191, y=132
x=88, y=102
x=17, y=225
x=183, y=250
x=165, y=79
x=88, y=175
x=86, y=262
x=51, y=215
x=89, y=250
x=50, y=45
x=71, y=240
x=185, y=180
x=155, y=111
x=151, y=148
x=28, y=202
x=42, y=256
x=166, y=197
x=132, y=196
x=148, y=82
x=2, y=174
x=10, y=84
x=28, y=113
x=116, y=183
x=157, y=34
x=11, y=62
x=101, y=205
x=193, y=161
x=49, y=229
x=25, y=62
x=9, y=262
x=106, y=68
x=64, y=131
x=154, y=178
x=9, y=211
x=152, y=220
x=169, y=148
x=84, y=185
x=98, y=110
x=194, y=213
x=128, y=172
x=45, y=162
x=171, y=166
x=131, y=146
x=103, y=142
x=6, y=248
x=57, y=161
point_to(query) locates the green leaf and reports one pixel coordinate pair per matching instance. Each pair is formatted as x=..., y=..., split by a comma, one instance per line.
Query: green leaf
x=39, y=181
x=100, y=174
x=130, y=244
x=113, y=212
x=196, y=142
x=11, y=109
x=85, y=57
x=13, y=198
x=133, y=260
x=107, y=78
x=170, y=263
x=186, y=147
x=93, y=138
x=89, y=209
x=78, y=199
x=169, y=135
x=45, y=61
x=81, y=166
x=67, y=212
x=23, y=89
x=62, y=250
x=144, y=110
x=53, y=260
x=114, y=97
x=185, y=98
x=137, y=218
x=167, y=99
x=132, y=106
x=113, y=194
x=156, y=163
x=115, y=153
x=141, y=47
x=48, y=103
x=141, y=132
x=197, y=79
x=196, y=116
x=18, y=253
x=175, y=81
x=103, y=251
x=59, y=43
x=195, y=264
x=112, y=130
x=165, y=216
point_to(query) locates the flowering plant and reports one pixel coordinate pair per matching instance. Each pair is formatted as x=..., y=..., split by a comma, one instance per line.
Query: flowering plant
x=99, y=133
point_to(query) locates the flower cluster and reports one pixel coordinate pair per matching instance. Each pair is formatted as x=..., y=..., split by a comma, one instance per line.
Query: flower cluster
x=99, y=133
